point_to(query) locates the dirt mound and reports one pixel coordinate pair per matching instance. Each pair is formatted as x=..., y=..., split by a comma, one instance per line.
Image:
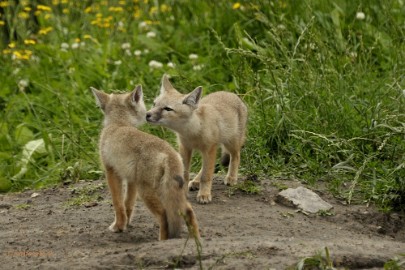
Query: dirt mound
x=67, y=228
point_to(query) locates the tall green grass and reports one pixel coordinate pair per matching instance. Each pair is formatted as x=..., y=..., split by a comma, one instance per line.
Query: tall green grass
x=323, y=80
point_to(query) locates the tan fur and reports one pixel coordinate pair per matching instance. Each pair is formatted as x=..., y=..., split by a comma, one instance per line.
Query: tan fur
x=137, y=163
x=217, y=119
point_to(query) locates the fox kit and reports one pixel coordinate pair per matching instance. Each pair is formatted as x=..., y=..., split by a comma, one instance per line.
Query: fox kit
x=137, y=163
x=202, y=124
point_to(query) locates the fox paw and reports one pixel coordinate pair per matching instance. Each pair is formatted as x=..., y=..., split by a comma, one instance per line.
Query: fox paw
x=204, y=198
x=193, y=185
x=230, y=181
x=115, y=228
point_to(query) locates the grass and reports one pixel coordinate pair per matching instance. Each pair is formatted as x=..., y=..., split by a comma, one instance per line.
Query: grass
x=323, y=80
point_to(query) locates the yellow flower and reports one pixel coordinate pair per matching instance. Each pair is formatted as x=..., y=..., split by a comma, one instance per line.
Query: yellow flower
x=6, y=51
x=45, y=31
x=55, y=2
x=116, y=9
x=4, y=4
x=87, y=37
x=77, y=40
x=22, y=55
x=153, y=10
x=47, y=16
x=65, y=1
x=88, y=10
x=2, y=23
x=122, y=2
x=27, y=9
x=236, y=5
x=65, y=11
x=164, y=8
x=29, y=42
x=11, y=45
x=137, y=13
x=23, y=15
x=43, y=8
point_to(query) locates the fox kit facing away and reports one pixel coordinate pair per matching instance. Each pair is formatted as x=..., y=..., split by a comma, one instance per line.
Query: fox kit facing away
x=137, y=163
x=202, y=124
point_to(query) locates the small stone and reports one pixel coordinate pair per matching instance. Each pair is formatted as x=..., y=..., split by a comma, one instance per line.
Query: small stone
x=34, y=195
x=304, y=199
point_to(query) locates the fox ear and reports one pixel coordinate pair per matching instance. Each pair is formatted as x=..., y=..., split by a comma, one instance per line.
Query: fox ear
x=137, y=94
x=194, y=97
x=101, y=98
x=166, y=85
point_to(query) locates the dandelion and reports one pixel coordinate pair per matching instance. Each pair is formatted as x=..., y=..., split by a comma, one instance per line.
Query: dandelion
x=360, y=16
x=4, y=4
x=21, y=55
x=164, y=8
x=23, y=15
x=126, y=46
x=198, y=67
x=151, y=34
x=171, y=65
x=11, y=45
x=137, y=52
x=116, y=9
x=2, y=23
x=88, y=10
x=43, y=8
x=29, y=42
x=193, y=56
x=236, y=5
x=153, y=10
x=155, y=64
x=45, y=31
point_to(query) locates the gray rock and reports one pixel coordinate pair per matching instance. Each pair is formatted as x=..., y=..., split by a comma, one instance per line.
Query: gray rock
x=303, y=198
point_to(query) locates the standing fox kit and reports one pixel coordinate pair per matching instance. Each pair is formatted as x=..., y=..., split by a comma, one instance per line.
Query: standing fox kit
x=137, y=163
x=203, y=124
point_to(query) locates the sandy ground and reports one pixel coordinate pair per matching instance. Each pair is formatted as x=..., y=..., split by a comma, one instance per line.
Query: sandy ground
x=239, y=231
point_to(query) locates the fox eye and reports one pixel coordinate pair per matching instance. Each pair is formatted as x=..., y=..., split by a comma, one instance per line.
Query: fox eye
x=168, y=109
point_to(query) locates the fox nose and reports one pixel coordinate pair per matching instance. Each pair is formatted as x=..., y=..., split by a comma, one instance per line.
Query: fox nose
x=148, y=116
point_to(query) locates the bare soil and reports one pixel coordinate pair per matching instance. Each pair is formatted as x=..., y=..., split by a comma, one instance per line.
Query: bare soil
x=66, y=228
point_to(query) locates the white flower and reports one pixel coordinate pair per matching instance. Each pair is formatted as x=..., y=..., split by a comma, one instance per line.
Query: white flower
x=128, y=52
x=118, y=62
x=360, y=15
x=193, y=56
x=146, y=51
x=22, y=84
x=75, y=45
x=126, y=46
x=64, y=46
x=143, y=25
x=151, y=34
x=155, y=64
x=82, y=44
x=171, y=65
x=198, y=67
x=137, y=52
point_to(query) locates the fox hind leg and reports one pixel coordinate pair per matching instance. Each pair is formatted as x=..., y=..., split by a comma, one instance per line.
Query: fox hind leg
x=232, y=175
x=115, y=184
x=130, y=201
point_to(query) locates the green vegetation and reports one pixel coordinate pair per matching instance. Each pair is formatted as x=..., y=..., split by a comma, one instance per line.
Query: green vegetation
x=323, y=80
